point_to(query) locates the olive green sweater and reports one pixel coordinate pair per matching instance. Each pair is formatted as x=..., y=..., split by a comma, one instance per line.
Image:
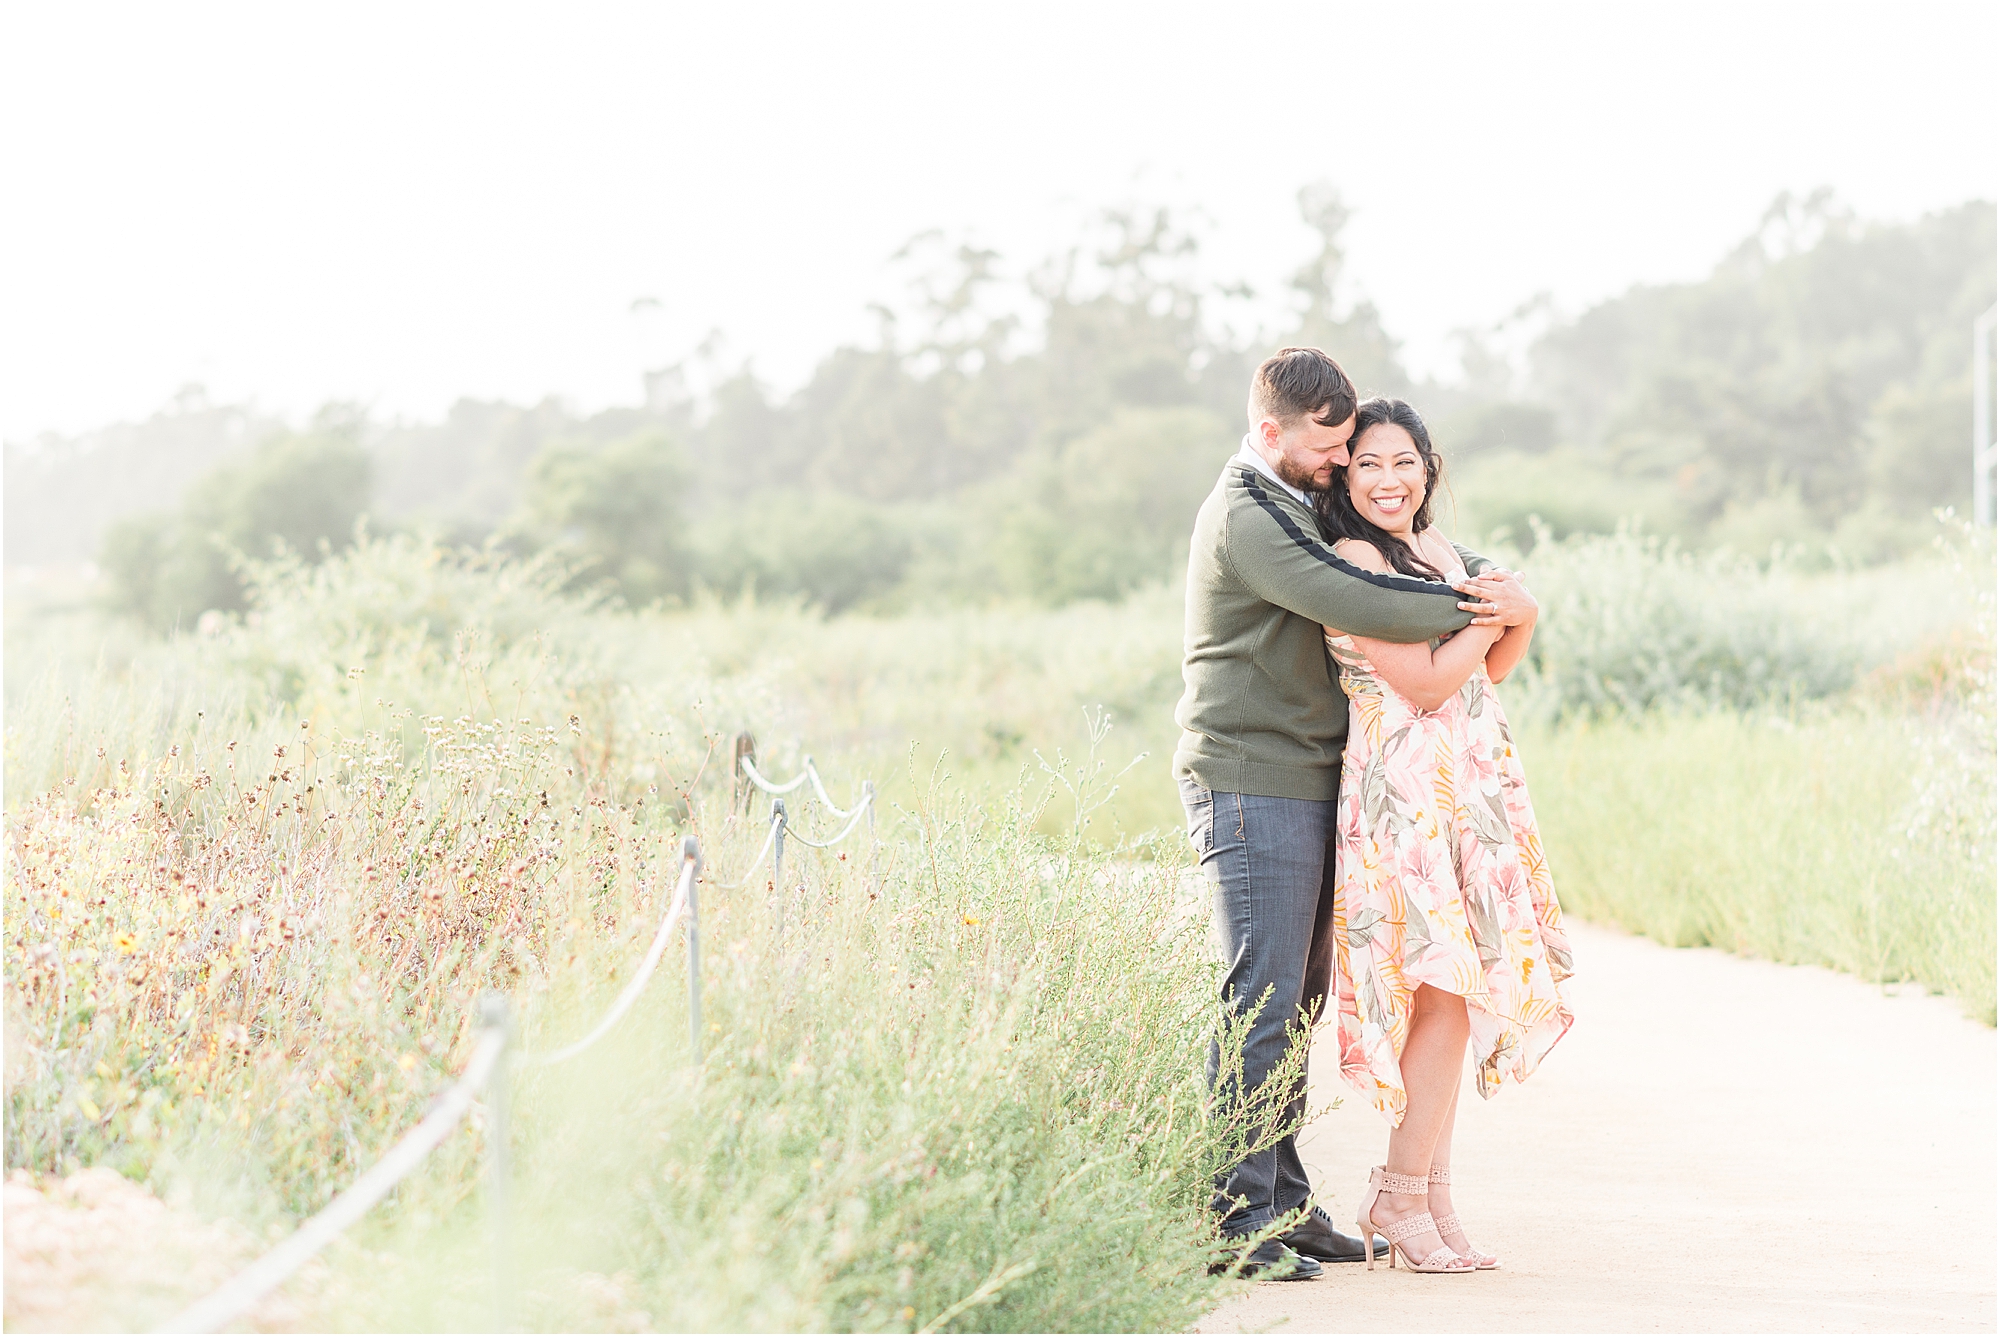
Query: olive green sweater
x=1262, y=711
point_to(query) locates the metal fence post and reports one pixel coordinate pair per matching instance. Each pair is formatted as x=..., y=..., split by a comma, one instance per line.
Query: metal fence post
x=493, y=1018
x=778, y=860
x=740, y=788
x=691, y=853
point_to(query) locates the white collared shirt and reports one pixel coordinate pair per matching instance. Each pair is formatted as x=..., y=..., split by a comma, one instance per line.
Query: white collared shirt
x=1248, y=455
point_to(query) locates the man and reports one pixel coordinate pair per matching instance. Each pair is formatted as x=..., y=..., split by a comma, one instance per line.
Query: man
x=1262, y=723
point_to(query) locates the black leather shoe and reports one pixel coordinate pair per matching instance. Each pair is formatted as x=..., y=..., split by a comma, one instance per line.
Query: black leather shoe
x=1272, y=1261
x=1317, y=1237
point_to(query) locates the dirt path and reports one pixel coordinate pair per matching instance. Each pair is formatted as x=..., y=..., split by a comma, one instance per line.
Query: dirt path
x=96, y=1252
x=1719, y=1145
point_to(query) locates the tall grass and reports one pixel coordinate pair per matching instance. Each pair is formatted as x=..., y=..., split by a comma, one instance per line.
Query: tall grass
x=257, y=875
x=1787, y=767
x=1629, y=625
x=960, y=1089
x=1848, y=840
x=968, y=1100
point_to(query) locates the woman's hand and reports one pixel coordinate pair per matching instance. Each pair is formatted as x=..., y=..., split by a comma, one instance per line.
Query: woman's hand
x=1500, y=601
x=1497, y=598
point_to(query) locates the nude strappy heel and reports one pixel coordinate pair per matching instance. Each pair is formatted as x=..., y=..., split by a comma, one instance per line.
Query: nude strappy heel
x=1382, y=1180
x=1449, y=1224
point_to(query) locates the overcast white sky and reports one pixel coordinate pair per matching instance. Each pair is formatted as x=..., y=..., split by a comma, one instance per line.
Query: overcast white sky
x=403, y=204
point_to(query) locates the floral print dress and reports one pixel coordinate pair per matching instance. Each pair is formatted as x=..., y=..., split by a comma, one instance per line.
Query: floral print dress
x=1440, y=881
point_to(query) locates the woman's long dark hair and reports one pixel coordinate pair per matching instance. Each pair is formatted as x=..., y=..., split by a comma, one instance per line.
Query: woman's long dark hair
x=1340, y=520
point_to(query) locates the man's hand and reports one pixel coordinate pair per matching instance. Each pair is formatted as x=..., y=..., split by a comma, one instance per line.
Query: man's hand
x=1497, y=598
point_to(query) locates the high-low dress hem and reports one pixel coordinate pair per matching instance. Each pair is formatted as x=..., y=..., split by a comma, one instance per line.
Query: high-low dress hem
x=1440, y=881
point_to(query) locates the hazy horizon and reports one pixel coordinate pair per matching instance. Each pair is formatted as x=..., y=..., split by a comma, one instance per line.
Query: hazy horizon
x=403, y=209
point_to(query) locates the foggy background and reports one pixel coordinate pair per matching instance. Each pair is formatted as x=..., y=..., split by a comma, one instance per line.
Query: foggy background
x=896, y=304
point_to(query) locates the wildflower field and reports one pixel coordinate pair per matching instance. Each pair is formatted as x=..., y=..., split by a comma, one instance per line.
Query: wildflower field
x=259, y=874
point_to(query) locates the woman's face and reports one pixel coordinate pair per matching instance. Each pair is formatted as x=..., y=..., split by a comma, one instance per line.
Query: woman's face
x=1385, y=477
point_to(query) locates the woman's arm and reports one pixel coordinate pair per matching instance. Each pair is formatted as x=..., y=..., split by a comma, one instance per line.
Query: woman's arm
x=1425, y=677
x=1508, y=651
x=1506, y=590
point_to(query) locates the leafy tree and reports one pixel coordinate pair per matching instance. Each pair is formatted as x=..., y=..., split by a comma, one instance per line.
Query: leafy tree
x=867, y=426
x=748, y=444
x=63, y=494
x=134, y=556
x=616, y=511
x=834, y=550
x=1820, y=361
x=1046, y=433
x=941, y=403
x=1354, y=333
x=1109, y=511
x=465, y=474
x=301, y=493
x=1123, y=331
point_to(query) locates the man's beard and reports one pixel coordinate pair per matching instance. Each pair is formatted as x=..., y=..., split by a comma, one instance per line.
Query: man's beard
x=1301, y=479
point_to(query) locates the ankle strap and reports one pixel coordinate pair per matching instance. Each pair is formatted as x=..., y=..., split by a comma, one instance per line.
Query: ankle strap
x=1409, y=1185
x=1440, y=1174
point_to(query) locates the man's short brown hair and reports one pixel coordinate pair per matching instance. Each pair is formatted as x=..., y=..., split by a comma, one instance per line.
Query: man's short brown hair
x=1294, y=382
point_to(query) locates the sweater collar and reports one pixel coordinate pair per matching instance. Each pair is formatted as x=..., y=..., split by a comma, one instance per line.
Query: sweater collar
x=1248, y=455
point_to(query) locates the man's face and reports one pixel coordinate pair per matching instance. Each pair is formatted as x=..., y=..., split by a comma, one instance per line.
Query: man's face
x=1306, y=453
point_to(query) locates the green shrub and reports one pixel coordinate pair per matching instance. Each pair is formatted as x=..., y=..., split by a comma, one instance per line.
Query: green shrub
x=258, y=876
x=1631, y=623
x=299, y=494
x=613, y=514
x=965, y=1092
x=831, y=549
x=1526, y=495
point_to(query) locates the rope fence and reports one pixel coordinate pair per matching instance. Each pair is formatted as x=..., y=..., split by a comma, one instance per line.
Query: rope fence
x=749, y=778
x=683, y=894
x=485, y=1072
x=229, y=1301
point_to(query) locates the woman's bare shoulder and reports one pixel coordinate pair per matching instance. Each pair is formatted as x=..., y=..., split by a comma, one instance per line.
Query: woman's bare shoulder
x=1362, y=553
x=1435, y=548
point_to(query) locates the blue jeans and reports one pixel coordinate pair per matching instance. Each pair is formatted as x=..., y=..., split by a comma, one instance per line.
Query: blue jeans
x=1269, y=862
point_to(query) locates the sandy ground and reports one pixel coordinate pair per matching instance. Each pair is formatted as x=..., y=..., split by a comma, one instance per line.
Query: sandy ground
x=97, y=1253
x=1719, y=1145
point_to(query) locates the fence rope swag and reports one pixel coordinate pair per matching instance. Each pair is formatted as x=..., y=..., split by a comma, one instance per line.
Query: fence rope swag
x=781, y=829
x=683, y=890
x=486, y=1069
x=483, y=1073
x=229, y=1301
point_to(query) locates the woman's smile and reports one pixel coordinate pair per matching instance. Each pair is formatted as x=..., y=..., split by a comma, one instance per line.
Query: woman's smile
x=1390, y=504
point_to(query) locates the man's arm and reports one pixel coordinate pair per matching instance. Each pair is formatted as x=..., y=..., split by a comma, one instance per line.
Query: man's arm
x=1427, y=676
x=1284, y=563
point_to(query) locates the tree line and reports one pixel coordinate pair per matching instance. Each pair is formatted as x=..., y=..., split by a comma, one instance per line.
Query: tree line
x=1048, y=436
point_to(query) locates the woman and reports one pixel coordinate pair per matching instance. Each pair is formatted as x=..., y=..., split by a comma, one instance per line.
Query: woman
x=1446, y=928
